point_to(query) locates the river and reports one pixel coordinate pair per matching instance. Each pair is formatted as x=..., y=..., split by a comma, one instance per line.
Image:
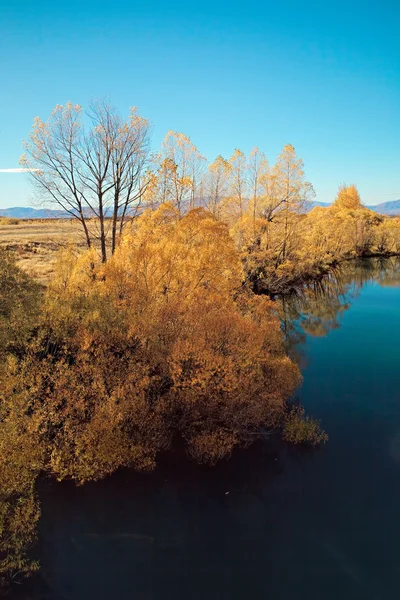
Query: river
x=274, y=521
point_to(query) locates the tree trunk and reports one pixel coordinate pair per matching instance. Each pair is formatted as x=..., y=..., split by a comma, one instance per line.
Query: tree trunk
x=102, y=231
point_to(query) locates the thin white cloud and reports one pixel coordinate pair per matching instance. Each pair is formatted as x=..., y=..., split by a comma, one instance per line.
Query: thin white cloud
x=17, y=170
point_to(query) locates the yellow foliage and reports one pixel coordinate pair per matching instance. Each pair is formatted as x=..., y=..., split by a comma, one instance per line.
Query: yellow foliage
x=282, y=247
x=161, y=341
x=18, y=521
x=348, y=197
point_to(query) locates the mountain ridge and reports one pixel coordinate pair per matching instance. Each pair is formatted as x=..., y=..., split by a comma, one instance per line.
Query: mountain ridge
x=390, y=208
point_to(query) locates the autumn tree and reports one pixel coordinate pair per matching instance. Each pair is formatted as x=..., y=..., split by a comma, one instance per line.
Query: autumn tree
x=19, y=306
x=92, y=166
x=20, y=455
x=292, y=193
x=387, y=236
x=270, y=234
x=215, y=185
x=177, y=174
x=238, y=193
x=258, y=171
x=356, y=223
x=164, y=342
x=348, y=197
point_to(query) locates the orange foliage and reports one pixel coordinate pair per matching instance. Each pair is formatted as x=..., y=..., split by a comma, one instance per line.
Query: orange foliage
x=162, y=341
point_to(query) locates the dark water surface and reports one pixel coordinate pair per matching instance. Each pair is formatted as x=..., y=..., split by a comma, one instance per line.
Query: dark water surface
x=273, y=522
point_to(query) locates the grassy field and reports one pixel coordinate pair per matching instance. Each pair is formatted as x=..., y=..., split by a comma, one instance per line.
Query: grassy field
x=36, y=242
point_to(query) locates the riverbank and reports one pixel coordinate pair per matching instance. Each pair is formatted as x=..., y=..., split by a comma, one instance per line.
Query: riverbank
x=278, y=284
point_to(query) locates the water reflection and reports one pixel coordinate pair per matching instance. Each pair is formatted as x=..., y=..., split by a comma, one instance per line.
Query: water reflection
x=317, y=308
x=172, y=533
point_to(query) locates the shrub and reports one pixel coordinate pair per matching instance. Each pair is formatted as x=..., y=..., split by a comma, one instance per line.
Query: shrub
x=301, y=429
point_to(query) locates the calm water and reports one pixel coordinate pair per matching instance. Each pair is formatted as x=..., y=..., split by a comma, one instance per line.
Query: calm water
x=272, y=522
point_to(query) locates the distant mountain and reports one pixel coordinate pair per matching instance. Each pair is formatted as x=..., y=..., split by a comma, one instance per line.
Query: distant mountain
x=24, y=212
x=316, y=203
x=391, y=208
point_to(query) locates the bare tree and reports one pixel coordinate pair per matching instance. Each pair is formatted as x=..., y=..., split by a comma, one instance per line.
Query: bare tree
x=92, y=165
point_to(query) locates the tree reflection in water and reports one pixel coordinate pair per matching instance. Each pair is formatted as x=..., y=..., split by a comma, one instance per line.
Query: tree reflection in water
x=317, y=308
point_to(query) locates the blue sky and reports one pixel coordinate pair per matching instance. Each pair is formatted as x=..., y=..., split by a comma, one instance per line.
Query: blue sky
x=324, y=77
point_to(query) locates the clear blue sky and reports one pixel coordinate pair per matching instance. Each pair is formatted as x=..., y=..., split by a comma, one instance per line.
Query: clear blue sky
x=323, y=76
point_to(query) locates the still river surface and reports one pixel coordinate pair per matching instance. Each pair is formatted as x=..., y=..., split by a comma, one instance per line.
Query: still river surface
x=273, y=521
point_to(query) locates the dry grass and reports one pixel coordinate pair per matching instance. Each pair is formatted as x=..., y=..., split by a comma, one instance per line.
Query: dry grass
x=37, y=241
